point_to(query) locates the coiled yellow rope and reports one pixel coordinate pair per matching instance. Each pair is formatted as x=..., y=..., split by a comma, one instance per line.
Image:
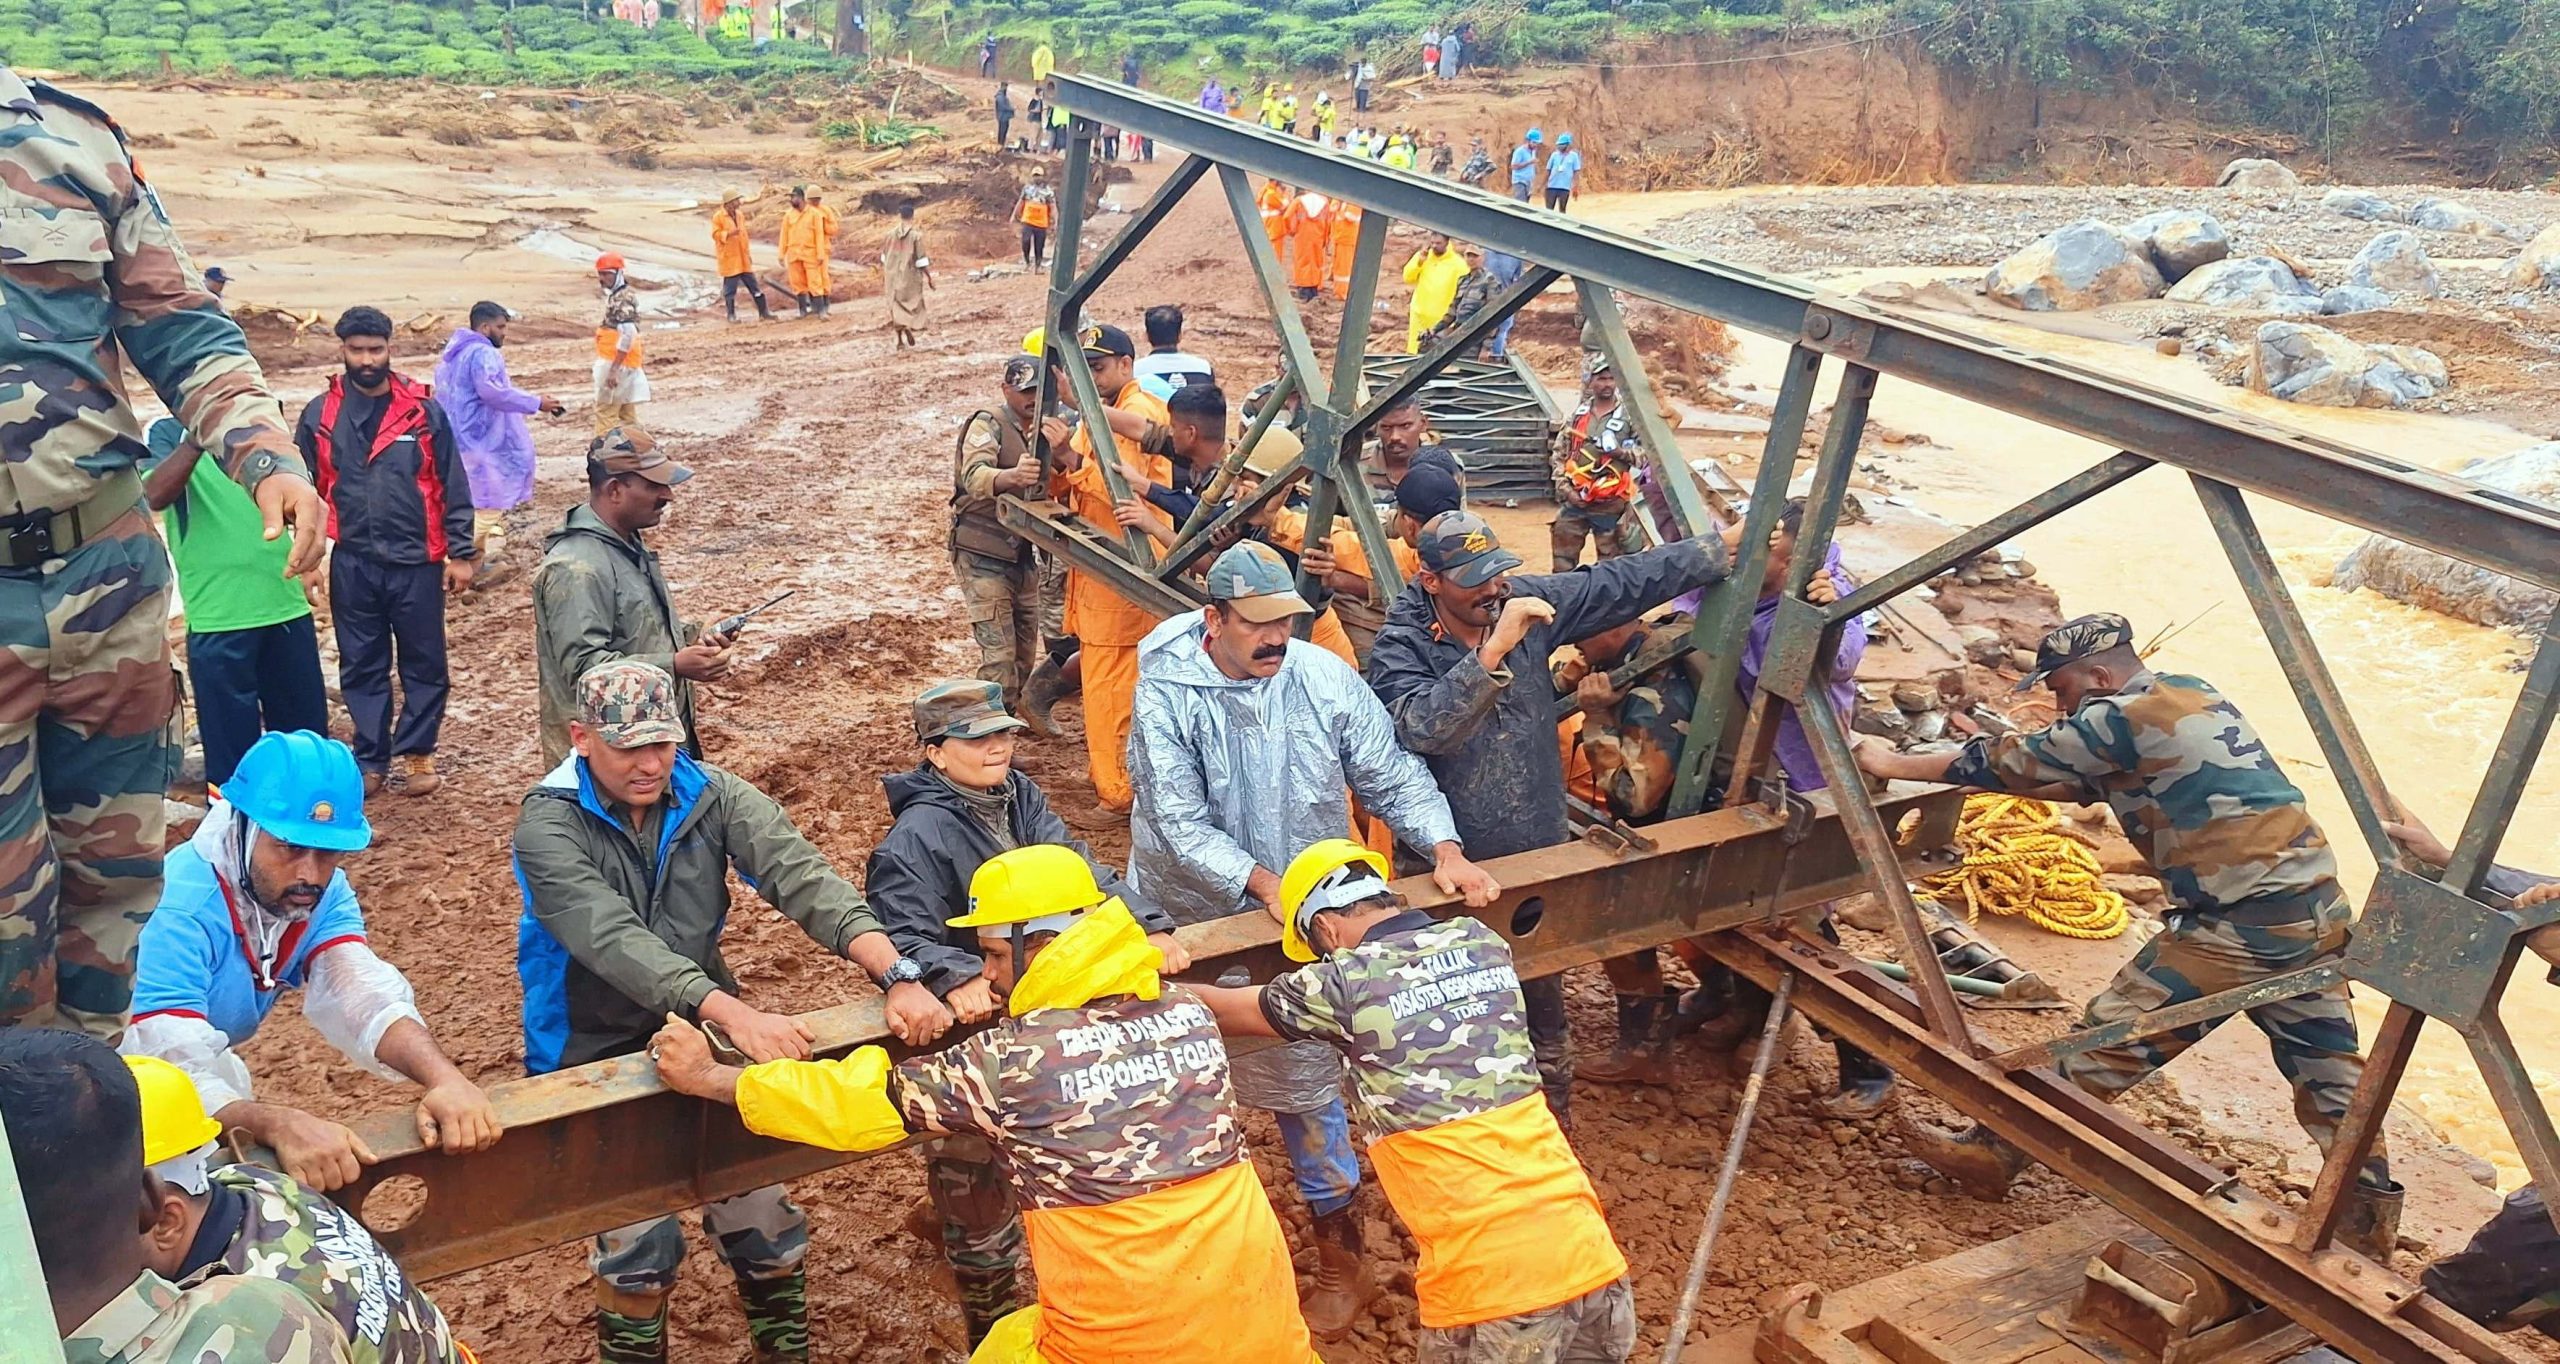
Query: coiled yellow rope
x=2017, y=860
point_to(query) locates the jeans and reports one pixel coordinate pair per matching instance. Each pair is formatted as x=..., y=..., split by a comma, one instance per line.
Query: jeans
x=1320, y=1156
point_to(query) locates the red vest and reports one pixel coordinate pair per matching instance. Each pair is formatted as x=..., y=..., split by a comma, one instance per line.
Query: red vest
x=404, y=413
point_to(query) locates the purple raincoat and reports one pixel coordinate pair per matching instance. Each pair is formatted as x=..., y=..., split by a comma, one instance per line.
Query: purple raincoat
x=1795, y=751
x=488, y=415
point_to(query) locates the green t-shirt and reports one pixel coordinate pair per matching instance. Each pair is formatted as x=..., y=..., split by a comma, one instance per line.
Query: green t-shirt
x=230, y=576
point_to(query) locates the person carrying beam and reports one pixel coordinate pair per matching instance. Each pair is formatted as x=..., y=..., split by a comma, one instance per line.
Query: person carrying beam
x=2253, y=889
x=1103, y=1091
x=1517, y=1263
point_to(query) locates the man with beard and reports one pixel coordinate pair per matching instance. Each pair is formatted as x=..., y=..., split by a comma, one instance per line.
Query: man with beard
x=600, y=596
x=488, y=413
x=1249, y=748
x=399, y=503
x=1445, y=665
x=255, y=904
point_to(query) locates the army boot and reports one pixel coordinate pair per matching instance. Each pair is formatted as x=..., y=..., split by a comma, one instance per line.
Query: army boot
x=2371, y=1227
x=1976, y=1159
x=1642, y=1055
x=1343, y=1288
x=1724, y=1011
x=1046, y=686
x=778, y=1317
x=631, y=1328
x=1866, y=1084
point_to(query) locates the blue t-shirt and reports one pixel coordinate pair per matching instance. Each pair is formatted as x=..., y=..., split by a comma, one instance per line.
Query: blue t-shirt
x=191, y=960
x=1524, y=165
x=1562, y=167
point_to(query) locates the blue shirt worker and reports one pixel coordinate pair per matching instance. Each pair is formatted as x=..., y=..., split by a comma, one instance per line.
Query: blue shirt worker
x=1524, y=164
x=2252, y=884
x=1563, y=165
x=256, y=904
x=99, y=286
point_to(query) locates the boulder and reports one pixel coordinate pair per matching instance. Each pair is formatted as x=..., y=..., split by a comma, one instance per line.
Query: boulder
x=2257, y=283
x=2180, y=240
x=2427, y=579
x=2353, y=298
x=2086, y=265
x=2452, y=215
x=2302, y=363
x=2362, y=203
x=2259, y=174
x=2396, y=263
x=2537, y=266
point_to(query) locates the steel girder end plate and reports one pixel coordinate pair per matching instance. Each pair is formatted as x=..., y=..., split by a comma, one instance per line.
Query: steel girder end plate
x=2431, y=949
x=1795, y=648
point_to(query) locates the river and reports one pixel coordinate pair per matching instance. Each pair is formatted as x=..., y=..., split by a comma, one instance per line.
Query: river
x=2430, y=693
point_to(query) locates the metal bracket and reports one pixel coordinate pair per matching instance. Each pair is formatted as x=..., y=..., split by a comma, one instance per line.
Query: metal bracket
x=2432, y=949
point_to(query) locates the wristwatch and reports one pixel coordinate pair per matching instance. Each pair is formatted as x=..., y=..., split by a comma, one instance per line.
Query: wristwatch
x=903, y=971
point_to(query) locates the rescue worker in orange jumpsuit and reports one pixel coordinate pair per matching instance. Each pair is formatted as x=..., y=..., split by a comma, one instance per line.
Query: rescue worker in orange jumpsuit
x=735, y=255
x=1346, y=244
x=1273, y=200
x=804, y=245
x=1309, y=225
x=829, y=225
x=1107, y=627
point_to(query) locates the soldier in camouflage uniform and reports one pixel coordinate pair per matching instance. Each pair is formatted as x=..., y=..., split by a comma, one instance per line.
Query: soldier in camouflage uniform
x=622, y=379
x=1594, y=469
x=999, y=573
x=90, y=266
x=1518, y=1266
x=240, y=1219
x=2252, y=885
x=1105, y=1094
x=74, y=1120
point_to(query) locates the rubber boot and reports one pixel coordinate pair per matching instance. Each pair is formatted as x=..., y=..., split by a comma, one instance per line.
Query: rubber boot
x=2371, y=1227
x=1866, y=1085
x=631, y=1328
x=1343, y=1288
x=1046, y=686
x=1976, y=1159
x=1642, y=1055
x=1745, y=1013
x=778, y=1317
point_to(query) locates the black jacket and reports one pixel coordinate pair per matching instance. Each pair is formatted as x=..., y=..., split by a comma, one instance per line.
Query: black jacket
x=408, y=502
x=1491, y=741
x=918, y=879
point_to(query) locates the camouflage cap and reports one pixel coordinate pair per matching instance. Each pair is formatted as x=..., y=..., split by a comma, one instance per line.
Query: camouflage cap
x=962, y=708
x=632, y=450
x=1459, y=546
x=629, y=704
x=1254, y=583
x=2076, y=639
x=1022, y=374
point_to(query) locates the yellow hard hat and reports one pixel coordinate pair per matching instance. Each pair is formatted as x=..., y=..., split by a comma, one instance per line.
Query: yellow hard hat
x=1321, y=878
x=1035, y=340
x=1272, y=453
x=173, y=1116
x=731, y=195
x=1042, y=887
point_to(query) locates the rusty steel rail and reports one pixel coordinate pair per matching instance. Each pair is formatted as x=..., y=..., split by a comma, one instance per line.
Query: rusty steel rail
x=603, y=1145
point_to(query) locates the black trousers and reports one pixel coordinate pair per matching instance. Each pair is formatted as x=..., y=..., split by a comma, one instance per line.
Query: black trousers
x=1558, y=198
x=729, y=286
x=389, y=615
x=1360, y=98
x=1004, y=122
x=247, y=682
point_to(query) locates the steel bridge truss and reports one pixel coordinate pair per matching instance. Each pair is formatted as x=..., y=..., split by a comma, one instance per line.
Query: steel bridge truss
x=2430, y=942
x=602, y=1145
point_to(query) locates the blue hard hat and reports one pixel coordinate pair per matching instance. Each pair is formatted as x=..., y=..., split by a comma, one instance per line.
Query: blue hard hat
x=1536, y=136
x=302, y=788
x=1564, y=140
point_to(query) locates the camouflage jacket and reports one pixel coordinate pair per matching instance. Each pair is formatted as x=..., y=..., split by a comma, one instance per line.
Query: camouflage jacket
x=1428, y=1013
x=310, y=1244
x=1634, y=746
x=89, y=267
x=2188, y=778
x=228, y=1319
x=1476, y=289
x=621, y=306
x=1087, y=1106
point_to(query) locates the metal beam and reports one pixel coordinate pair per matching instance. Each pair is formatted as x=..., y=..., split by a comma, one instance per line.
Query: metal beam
x=2208, y=1009
x=1533, y=281
x=2025, y=516
x=2353, y=1142
x=2450, y=515
x=603, y=1145
x=2510, y=767
x=1635, y=389
x=1067, y=535
x=1158, y=207
x=2351, y=1303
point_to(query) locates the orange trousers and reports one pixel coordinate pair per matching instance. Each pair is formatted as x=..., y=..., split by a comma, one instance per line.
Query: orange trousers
x=1110, y=699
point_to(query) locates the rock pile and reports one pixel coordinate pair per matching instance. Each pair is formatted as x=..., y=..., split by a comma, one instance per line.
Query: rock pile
x=2302, y=363
x=2425, y=578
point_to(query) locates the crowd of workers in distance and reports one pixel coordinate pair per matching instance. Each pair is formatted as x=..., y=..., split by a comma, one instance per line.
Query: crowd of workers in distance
x=1091, y=1129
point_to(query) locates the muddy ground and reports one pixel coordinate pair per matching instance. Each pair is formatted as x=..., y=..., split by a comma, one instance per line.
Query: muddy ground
x=822, y=461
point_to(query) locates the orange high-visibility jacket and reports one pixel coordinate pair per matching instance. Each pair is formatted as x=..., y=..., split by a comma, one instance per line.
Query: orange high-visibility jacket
x=1346, y=244
x=1310, y=224
x=1274, y=203
x=804, y=235
x=730, y=245
x=1095, y=613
